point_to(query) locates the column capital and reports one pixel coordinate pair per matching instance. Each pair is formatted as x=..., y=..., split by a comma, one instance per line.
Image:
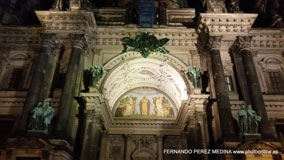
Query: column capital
x=214, y=42
x=49, y=40
x=243, y=42
x=78, y=41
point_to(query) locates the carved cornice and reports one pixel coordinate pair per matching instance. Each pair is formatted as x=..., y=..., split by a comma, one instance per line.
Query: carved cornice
x=67, y=21
x=267, y=39
x=19, y=36
x=223, y=23
x=78, y=41
x=177, y=37
x=177, y=17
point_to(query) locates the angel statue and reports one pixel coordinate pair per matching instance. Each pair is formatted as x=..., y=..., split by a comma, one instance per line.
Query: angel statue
x=96, y=73
x=194, y=74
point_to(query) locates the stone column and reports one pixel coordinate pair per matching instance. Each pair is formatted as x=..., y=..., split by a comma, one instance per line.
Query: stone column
x=92, y=136
x=224, y=107
x=67, y=95
x=160, y=147
x=239, y=67
x=128, y=140
x=103, y=150
x=49, y=41
x=50, y=69
x=253, y=85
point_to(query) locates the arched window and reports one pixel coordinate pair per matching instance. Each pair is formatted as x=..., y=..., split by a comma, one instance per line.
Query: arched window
x=15, y=69
x=273, y=70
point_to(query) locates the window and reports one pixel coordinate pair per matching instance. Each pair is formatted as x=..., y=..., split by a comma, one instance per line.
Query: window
x=276, y=81
x=15, y=79
x=229, y=83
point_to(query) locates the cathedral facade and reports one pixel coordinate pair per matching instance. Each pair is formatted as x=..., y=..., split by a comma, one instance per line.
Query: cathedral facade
x=142, y=80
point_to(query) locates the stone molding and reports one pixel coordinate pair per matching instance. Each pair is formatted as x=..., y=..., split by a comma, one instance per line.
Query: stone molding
x=176, y=17
x=19, y=36
x=223, y=23
x=113, y=35
x=110, y=16
x=267, y=39
x=67, y=21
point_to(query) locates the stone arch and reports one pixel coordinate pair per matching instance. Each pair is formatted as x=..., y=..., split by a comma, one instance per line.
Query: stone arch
x=160, y=71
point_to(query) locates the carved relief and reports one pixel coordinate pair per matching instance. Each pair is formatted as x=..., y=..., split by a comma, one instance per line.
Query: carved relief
x=116, y=147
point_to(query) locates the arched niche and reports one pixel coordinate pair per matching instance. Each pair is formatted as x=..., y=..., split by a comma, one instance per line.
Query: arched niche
x=161, y=72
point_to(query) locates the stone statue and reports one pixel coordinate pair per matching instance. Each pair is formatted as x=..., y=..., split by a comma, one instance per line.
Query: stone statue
x=253, y=120
x=195, y=75
x=242, y=120
x=96, y=73
x=41, y=117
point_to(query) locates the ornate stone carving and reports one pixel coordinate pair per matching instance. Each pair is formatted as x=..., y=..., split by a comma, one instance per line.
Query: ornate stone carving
x=181, y=37
x=19, y=36
x=49, y=40
x=116, y=139
x=232, y=24
x=78, y=41
x=67, y=21
x=94, y=116
x=272, y=39
x=243, y=42
x=214, y=42
x=143, y=141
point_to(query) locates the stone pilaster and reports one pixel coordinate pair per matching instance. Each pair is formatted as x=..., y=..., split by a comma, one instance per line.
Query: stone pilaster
x=257, y=102
x=128, y=139
x=224, y=107
x=49, y=41
x=92, y=136
x=160, y=146
x=239, y=67
x=67, y=96
x=103, y=151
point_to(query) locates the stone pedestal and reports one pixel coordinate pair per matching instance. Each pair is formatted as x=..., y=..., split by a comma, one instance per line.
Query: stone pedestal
x=251, y=136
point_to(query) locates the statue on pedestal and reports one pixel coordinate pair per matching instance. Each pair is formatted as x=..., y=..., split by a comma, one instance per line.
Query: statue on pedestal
x=195, y=75
x=41, y=117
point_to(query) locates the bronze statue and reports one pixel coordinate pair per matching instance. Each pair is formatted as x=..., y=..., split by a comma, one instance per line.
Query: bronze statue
x=242, y=120
x=248, y=120
x=96, y=73
x=41, y=117
x=253, y=120
x=195, y=75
